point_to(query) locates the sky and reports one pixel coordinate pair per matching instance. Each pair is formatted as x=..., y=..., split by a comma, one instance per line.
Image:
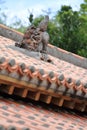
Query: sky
x=22, y=8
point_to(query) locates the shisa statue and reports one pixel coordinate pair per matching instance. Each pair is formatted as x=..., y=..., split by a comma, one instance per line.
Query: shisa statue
x=36, y=36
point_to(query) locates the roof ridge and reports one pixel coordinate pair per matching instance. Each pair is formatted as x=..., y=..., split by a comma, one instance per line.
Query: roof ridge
x=52, y=50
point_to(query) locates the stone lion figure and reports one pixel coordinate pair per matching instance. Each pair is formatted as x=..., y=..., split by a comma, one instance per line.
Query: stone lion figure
x=36, y=39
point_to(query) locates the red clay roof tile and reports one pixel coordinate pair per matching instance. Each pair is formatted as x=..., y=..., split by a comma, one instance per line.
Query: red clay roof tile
x=58, y=79
x=23, y=115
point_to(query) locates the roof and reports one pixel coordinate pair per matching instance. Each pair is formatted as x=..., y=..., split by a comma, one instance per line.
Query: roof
x=62, y=82
x=59, y=82
x=52, y=50
x=23, y=115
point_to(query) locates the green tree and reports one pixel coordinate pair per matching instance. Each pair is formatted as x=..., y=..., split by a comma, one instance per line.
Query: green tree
x=30, y=18
x=69, y=23
x=83, y=29
x=37, y=20
x=83, y=9
x=53, y=31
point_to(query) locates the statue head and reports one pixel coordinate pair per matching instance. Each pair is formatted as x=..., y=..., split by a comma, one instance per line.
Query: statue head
x=46, y=18
x=44, y=23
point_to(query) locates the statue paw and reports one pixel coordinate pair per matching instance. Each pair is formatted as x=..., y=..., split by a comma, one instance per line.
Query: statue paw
x=49, y=60
x=17, y=44
x=43, y=51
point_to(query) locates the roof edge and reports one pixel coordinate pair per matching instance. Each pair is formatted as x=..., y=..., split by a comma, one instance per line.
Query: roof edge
x=52, y=50
x=10, y=33
x=67, y=56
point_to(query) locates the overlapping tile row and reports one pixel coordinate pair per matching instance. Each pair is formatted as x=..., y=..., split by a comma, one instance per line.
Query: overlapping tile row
x=52, y=50
x=60, y=82
x=18, y=115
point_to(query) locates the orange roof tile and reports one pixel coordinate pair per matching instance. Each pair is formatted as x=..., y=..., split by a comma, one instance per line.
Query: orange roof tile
x=21, y=115
x=59, y=82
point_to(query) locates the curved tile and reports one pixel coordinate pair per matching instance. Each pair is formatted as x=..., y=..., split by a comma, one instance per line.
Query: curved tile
x=24, y=69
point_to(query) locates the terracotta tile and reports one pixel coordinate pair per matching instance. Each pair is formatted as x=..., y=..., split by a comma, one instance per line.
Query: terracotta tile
x=23, y=115
x=43, y=76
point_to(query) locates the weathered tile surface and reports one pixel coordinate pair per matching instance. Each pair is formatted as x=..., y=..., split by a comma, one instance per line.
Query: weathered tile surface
x=26, y=115
x=23, y=73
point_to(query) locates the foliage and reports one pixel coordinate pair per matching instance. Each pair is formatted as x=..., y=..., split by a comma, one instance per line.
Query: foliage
x=53, y=31
x=30, y=18
x=69, y=24
x=37, y=20
x=83, y=29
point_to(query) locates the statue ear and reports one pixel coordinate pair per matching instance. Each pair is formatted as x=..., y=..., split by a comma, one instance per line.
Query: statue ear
x=47, y=17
